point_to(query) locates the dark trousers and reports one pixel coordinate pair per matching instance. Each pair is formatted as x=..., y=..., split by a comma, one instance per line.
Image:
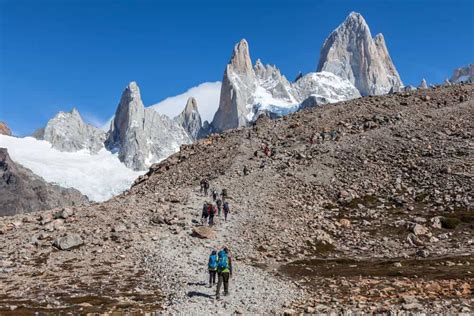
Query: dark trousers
x=222, y=277
x=211, y=220
x=212, y=277
x=225, y=215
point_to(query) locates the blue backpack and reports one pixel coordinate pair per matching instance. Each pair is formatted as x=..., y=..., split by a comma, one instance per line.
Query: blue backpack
x=223, y=262
x=212, y=265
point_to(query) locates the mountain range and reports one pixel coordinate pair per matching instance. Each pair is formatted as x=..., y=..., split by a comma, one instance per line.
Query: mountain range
x=352, y=64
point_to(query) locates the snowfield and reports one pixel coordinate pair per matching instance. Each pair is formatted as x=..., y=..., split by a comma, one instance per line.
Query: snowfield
x=98, y=176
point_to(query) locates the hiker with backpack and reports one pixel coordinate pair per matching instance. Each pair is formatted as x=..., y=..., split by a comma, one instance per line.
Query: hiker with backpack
x=212, y=267
x=226, y=210
x=212, y=213
x=214, y=195
x=224, y=271
x=224, y=194
x=205, y=213
x=219, y=206
x=206, y=186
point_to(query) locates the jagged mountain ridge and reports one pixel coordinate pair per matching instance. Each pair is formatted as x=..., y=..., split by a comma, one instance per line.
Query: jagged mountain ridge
x=21, y=191
x=68, y=132
x=140, y=135
x=247, y=91
x=350, y=52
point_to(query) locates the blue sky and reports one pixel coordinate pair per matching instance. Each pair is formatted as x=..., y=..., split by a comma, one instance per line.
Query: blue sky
x=59, y=54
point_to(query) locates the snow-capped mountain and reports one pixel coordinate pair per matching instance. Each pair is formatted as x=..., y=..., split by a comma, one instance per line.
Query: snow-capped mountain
x=463, y=74
x=248, y=90
x=140, y=135
x=68, y=132
x=350, y=52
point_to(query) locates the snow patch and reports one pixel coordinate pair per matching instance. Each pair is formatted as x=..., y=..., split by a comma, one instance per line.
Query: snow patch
x=207, y=95
x=98, y=176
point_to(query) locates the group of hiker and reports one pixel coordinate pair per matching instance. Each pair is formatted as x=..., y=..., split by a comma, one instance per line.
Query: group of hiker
x=211, y=210
x=220, y=264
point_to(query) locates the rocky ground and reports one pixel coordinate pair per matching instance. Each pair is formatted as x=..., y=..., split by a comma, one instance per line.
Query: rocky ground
x=364, y=205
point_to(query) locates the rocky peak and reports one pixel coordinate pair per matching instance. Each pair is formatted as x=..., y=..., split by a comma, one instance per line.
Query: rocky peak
x=190, y=119
x=240, y=61
x=351, y=53
x=4, y=129
x=68, y=132
x=140, y=135
x=423, y=84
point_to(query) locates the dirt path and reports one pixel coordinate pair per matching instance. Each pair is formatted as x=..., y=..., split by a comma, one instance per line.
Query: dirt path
x=251, y=289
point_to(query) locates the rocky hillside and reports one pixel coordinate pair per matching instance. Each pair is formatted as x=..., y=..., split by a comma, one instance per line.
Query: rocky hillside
x=21, y=191
x=363, y=205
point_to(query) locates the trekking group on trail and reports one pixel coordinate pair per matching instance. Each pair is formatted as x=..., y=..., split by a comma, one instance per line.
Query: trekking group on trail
x=209, y=210
x=220, y=264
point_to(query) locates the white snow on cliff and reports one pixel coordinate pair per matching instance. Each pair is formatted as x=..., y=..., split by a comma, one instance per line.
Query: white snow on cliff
x=98, y=176
x=206, y=94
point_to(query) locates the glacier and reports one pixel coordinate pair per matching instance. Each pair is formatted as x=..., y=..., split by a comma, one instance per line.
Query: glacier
x=99, y=176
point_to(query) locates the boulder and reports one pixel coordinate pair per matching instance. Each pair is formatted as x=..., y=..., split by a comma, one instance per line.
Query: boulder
x=204, y=232
x=68, y=242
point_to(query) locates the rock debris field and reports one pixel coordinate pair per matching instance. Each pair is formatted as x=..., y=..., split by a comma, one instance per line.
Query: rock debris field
x=362, y=206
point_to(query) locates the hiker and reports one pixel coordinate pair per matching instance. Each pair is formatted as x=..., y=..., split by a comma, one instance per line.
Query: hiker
x=205, y=213
x=202, y=184
x=219, y=206
x=212, y=267
x=214, y=195
x=226, y=210
x=246, y=170
x=224, y=194
x=212, y=212
x=205, y=186
x=224, y=271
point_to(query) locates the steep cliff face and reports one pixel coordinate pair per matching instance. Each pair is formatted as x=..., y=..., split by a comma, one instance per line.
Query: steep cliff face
x=350, y=52
x=142, y=136
x=68, y=132
x=190, y=119
x=21, y=191
x=237, y=87
x=247, y=92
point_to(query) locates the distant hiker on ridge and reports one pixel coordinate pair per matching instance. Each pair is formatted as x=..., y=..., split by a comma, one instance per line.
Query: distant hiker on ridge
x=219, y=207
x=205, y=213
x=226, y=210
x=212, y=210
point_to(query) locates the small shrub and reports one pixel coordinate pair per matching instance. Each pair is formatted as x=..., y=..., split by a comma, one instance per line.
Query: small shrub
x=450, y=222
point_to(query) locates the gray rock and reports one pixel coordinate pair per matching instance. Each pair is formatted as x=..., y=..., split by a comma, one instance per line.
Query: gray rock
x=249, y=92
x=142, y=136
x=68, y=242
x=21, y=191
x=4, y=129
x=350, y=52
x=190, y=119
x=68, y=132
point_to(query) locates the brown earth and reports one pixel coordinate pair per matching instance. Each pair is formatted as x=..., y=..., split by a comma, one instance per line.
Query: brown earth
x=363, y=205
